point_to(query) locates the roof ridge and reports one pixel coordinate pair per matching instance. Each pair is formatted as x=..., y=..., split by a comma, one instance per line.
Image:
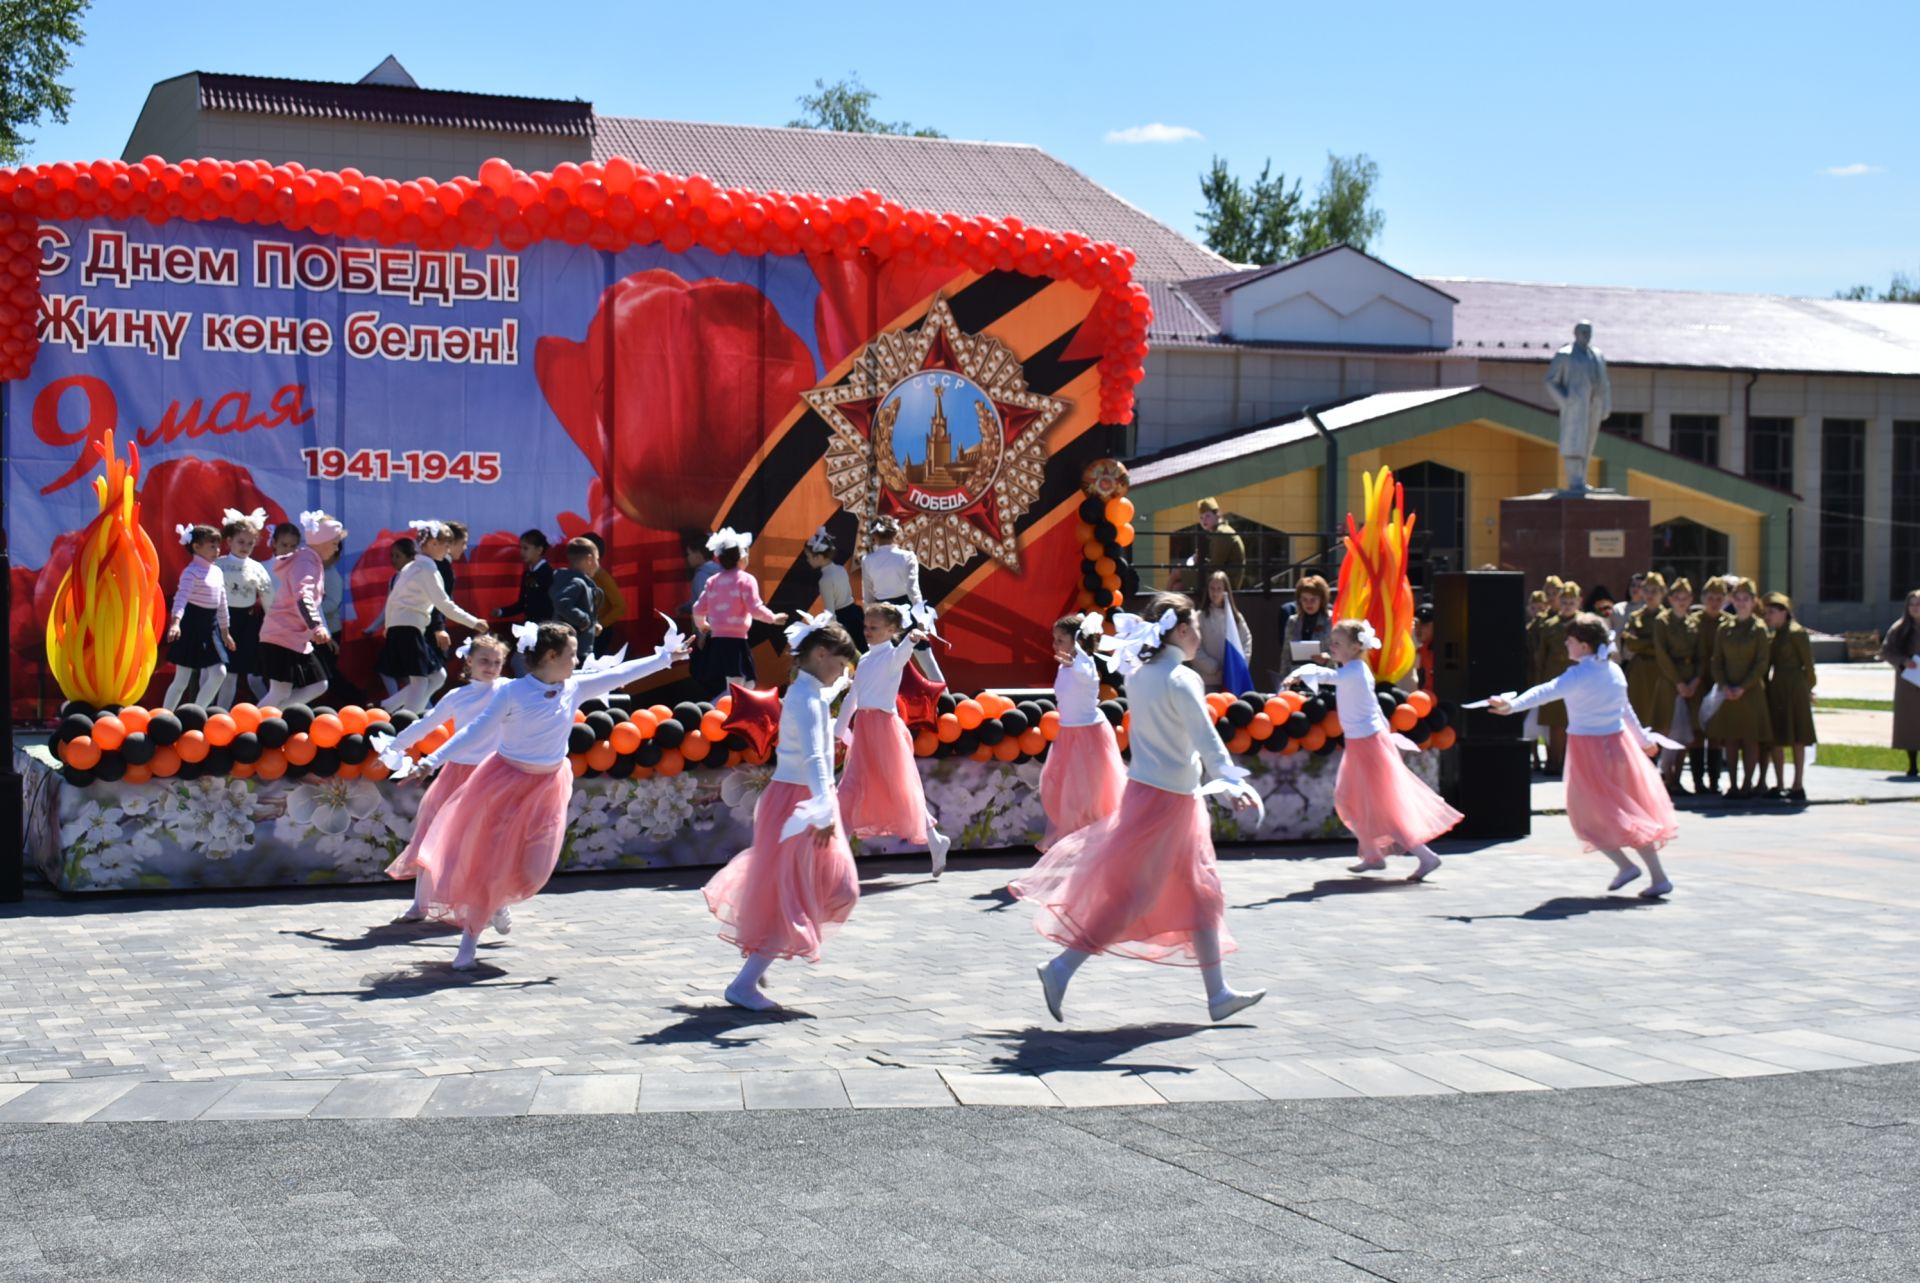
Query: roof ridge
x=831, y=133
x=377, y=87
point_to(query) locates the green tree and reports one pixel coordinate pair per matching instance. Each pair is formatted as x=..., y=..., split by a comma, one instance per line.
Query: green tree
x=846, y=106
x=35, y=36
x=1902, y=289
x=1269, y=221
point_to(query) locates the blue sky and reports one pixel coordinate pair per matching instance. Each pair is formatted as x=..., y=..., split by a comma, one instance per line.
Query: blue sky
x=1765, y=147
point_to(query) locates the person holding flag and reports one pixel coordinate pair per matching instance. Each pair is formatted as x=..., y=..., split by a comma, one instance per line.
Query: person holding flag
x=1226, y=642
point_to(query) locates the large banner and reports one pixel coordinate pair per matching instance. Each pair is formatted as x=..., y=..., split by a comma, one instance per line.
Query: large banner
x=643, y=395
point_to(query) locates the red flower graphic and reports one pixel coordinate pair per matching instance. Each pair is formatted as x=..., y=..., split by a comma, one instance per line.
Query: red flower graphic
x=188, y=492
x=843, y=318
x=673, y=390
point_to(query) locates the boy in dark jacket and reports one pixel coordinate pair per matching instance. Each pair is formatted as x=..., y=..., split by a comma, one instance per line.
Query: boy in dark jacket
x=576, y=598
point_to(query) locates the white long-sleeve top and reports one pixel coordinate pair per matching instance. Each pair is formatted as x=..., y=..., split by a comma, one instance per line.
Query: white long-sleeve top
x=836, y=590
x=1173, y=739
x=201, y=584
x=1076, y=690
x=1360, y=714
x=333, y=596
x=461, y=707
x=1595, y=693
x=806, y=737
x=417, y=592
x=889, y=573
x=247, y=582
x=876, y=682
x=531, y=719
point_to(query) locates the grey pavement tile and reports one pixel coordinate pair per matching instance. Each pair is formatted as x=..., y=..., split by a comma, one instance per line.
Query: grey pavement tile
x=162, y=1103
x=676, y=1091
x=1378, y=1076
x=999, y=1089
x=65, y=1102
x=1286, y=1080
x=793, y=1089
x=1100, y=1087
x=1462, y=1072
x=1547, y=1069
x=896, y=1089
x=260, y=1101
x=375, y=1098
x=586, y=1094
x=1199, y=1084
x=502, y=1095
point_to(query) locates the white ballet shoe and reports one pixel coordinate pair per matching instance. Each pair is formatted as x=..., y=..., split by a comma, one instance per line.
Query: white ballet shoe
x=1367, y=866
x=464, y=959
x=1623, y=877
x=1663, y=887
x=1225, y=1003
x=750, y=997
x=1053, y=987
x=503, y=921
x=414, y=914
x=938, y=844
x=1428, y=863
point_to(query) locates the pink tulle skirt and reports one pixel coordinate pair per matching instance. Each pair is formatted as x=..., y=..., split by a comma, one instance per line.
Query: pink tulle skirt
x=1615, y=799
x=1081, y=780
x=439, y=793
x=494, y=842
x=880, y=792
x=784, y=898
x=1140, y=882
x=1385, y=805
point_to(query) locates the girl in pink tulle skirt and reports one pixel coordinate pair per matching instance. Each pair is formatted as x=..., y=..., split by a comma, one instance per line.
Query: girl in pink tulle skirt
x=1142, y=882
x=1082, y=778
x=784, y=895
x=1388, y=808
x=880, y=793
x=1616, y=801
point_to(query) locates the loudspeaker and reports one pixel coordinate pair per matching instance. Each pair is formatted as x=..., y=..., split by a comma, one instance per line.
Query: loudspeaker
x=1480, y=649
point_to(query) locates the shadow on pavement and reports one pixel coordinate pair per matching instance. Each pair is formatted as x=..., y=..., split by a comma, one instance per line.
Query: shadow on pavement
x=1560, y=908
x=711, y=1025
x=378, y=937
x=1335, y=886
x=1037, y=1048
x=421, y=978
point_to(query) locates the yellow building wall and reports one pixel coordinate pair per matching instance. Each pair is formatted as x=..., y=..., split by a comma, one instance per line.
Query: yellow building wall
x=1743, y=527
x=1498, y=462
x=1290, y=502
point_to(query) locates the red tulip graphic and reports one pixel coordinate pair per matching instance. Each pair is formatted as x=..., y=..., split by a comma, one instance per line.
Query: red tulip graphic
x=844, y=317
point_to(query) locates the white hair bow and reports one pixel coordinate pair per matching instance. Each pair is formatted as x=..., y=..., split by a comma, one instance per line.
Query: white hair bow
x=186, y=535
x=727, y=537
x=926, y=617
x=1091, y=625
x=318, y=527
x=1604, y=653
x=1134, y=634
x=524, y=635
x=463, y=649
x=232, y=516
x=821, y=541
x=429, y=529
x=804, y=626
x=1365, y=636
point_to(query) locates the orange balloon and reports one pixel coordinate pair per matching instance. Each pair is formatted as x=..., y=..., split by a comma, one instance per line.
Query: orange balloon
x=970, y=713
x=246, y=717
x=601, y=756
x=1032, y=742
x=192, y=746
x=1050, y=724
x=353, y=720
x=273, y=764
x=643, y=720
x=374, y=715
x=138, y=774
x=1124, y=536
x=1007, y=750
x=696, y=746
x=221, y=728
x=371, y=769
x=109, y=732
x=1261, y=727
x=1119, y=510
x=643, y=772
x=1293, y=746
x=244, y=770
x=300, y=749
x=755, y=759
x=1295, y=701
x=1240, y=743
x=981, y=753
x=947, y=727
x=1093, y=550
x=1104, y=566
x=1122, y=736
x=578, y=764
x=1083, y=600
x=268, y=710
x=325, y=731
x=626, y=738
x=1331, y=725
x=925, y=744
x=1277, y=709
x=135, y=720
x=1444, y=737
x=661, y=713
x=1421, y=702
x=1108, y=692
x=1126, y=721
x=1404, y=718
x=81, y=753
x=352, y=770
x=672, y=762
x=579, y=718
x=1313, y=739
x=1082, y=532
x=724, y=704
x=165, y=763
x=711, y=724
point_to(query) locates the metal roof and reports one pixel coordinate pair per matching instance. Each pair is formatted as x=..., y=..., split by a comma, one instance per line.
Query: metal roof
x=391, y=104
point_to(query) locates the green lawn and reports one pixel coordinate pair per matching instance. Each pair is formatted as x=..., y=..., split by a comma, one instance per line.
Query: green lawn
x=1870, y=705
x=1864, y=757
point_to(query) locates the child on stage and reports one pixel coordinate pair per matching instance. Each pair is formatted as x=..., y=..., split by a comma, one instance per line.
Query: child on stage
x=1615, y=799
x=782, y=896
x=410, y=654
x=1386, y=806
x=880, y=793
x=1083, y=776
x=836, y=589
x=199, y=607
x=495, y=841
x=891, y=574
x=485, y=656
x=294, y=624
x=1141, y=882
x=727, y=607
x=249, y=595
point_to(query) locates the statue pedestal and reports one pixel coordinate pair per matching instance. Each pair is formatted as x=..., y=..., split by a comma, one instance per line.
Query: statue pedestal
x=1592, y=539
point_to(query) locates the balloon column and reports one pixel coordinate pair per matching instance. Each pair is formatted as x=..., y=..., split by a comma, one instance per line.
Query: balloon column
x=103, y=635
x=1106, y=537
x=1373, y=577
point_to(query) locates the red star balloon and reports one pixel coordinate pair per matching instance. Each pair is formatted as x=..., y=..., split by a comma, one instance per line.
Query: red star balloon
x=755, y=715
x=919, y=699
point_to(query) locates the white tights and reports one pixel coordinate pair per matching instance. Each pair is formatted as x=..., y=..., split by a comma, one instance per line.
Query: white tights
x=203, y=682
x=283, y=695
x=1206, y=947
x=413, y=696
x=229, y=690
x=1649, y=856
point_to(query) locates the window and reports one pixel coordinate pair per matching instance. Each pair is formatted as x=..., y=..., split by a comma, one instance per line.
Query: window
x=1687, y=549
x=1770, y=452
x=1695, y=436
x=1905, y=539
x=1843, y=498
x=1631, y=426
x=1437, y=495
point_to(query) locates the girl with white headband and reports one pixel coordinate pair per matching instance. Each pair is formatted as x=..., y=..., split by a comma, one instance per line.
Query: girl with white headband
x=890, y=574
x=1083, y=776
x=199, y=609
x=880, y=791
x=496, y=840
x=249, y=596
x=1142, y=881
x=294, y=623
x=727, y=607
x=1385, y=806
x=485, y=656
x=784, y=895
x=410, y=654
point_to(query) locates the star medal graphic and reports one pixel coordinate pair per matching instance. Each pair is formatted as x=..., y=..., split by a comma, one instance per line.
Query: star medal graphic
x=936, y=428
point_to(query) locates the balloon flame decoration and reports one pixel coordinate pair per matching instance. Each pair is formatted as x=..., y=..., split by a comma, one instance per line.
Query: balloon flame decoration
x=1373, y=578
x=103, y=636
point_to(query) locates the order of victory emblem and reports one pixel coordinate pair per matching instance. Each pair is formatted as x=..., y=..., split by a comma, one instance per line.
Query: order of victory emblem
x=937, y=429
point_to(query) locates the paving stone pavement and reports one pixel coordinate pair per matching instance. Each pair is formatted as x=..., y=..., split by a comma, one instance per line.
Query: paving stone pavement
x=1787, y=946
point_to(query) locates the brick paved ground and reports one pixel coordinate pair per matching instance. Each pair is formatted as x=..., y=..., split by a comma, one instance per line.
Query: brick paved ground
x=1788, y=946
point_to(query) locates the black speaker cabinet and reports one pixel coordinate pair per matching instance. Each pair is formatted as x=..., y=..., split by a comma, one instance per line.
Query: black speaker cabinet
x=1479, y=645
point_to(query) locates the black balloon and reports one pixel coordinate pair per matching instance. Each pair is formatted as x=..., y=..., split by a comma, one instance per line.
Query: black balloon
x=648, y=754
x=246, y=747
x=1387, y=704
x=326, y=762
x=580, y=738
x=1015, y=722
x=622, y=768
x=948, y=701
x=968, y=741
x=687, y=713
x=190, y=771
x=1297, y=726
x=218, y=761
x=601, y=724
x=273, y=732
x=1093, y=510
x=191, y=717
x=1240, y=714
x=404, y=718
x=109, y=768
x=991, y=732
x=72, y=726
x=592, y=706
x=671, y=734
x=164, y=727
x=78, y=708
x=299, y=719
x=76, y=777
x=1113, y=710
x=353, y=749
x=137, y=748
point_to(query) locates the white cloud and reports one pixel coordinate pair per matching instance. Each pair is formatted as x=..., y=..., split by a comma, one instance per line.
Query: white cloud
x=1854, y=170
x=1154, y=133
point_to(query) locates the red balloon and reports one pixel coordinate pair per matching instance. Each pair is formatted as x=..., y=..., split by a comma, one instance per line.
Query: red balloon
x=755, y=715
